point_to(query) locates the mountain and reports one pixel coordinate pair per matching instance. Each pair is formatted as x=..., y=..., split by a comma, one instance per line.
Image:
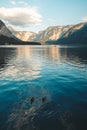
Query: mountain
x=23, y=35
x=69, y=34
x=11, y=29
x=77, y=34
x=7, y=37
x=51, y=33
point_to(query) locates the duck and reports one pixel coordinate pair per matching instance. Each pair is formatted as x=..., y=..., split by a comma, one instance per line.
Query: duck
x=32, y=100
x=43, y=99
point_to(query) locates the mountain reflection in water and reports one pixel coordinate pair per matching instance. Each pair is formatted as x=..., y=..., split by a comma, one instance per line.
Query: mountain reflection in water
x=53, y=73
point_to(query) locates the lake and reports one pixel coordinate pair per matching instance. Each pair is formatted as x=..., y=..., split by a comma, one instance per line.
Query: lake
x=43, y=88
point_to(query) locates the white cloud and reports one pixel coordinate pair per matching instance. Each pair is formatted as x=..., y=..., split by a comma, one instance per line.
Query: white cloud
x=84, y=19
x=20, y=16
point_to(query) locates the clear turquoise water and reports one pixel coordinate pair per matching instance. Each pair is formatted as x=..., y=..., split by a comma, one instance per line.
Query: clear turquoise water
x=59, y=73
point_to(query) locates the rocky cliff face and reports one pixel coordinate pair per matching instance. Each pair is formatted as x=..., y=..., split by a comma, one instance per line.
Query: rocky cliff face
x=1, y=24
x=25, y=36
x=6, y=35
x=4, y=31
x=75, y=35
x=51, y=33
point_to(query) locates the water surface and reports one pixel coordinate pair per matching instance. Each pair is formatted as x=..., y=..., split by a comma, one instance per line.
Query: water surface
x=55, y=72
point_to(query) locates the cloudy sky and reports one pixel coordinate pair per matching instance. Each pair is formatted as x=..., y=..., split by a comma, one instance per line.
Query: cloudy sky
x=36, y=15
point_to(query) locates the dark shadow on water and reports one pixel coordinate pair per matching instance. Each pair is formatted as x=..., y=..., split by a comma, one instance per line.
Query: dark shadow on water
x=5, y=55
x=49, y=116
x=76, y=54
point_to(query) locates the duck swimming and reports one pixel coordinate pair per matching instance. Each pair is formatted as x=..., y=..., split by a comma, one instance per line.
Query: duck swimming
x=43, y=99
x=32, y=100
